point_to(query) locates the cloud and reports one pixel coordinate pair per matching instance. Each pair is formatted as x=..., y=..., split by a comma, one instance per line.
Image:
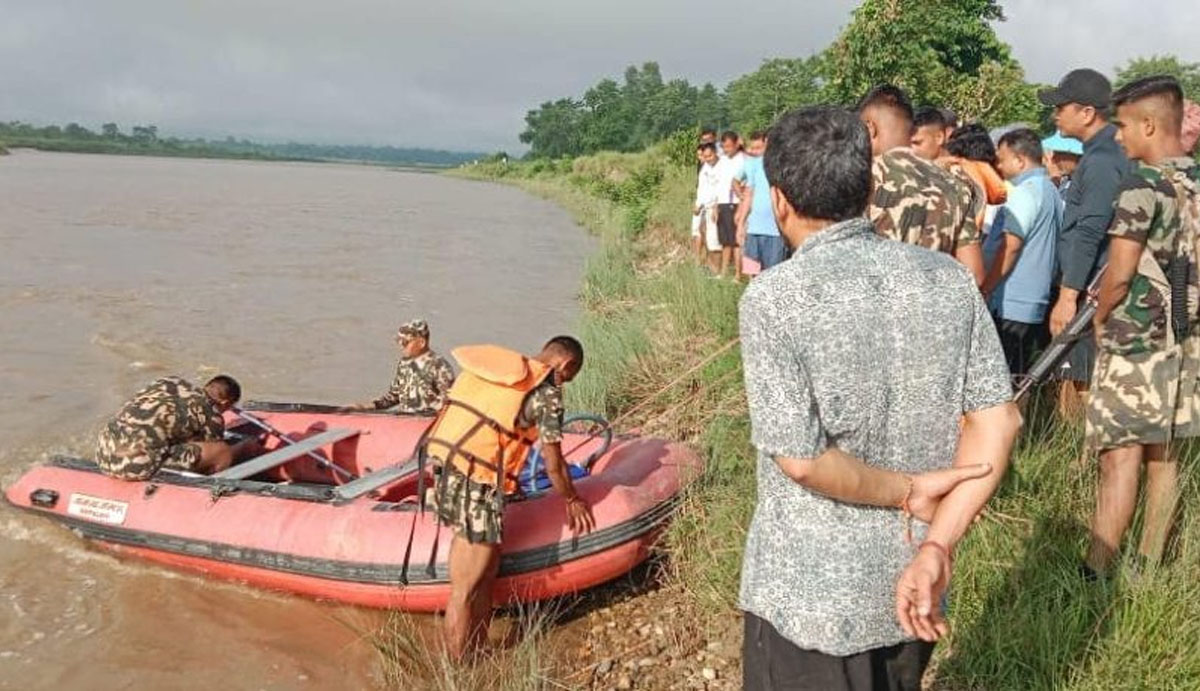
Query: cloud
x=454, y=73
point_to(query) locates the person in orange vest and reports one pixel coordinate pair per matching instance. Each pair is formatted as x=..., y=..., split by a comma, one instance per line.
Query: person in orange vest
x=501, y=405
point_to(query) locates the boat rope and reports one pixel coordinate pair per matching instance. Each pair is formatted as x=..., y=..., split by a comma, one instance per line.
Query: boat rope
x=654, y=396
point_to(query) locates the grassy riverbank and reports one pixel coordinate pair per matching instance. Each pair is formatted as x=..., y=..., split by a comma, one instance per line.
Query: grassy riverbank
x=1021, y=617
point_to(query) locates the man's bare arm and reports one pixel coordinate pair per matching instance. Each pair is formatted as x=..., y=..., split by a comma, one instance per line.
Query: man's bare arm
x=1123, y=257
x=987, y=437
x=1003, y=265
x=838, y=475
x=971, y=256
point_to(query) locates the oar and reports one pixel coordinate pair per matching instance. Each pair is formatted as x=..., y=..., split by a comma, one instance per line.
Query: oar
x=278, y=434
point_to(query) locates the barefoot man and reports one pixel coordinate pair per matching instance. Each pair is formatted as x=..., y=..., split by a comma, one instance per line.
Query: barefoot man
x=500, y=405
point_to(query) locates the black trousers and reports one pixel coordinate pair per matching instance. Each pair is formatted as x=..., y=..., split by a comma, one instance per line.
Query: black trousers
x=1021, y=343
x=771, y=662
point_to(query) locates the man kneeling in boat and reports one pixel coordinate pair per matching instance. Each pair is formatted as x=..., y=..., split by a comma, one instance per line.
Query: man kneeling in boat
x=500, y=405
x=172, y=424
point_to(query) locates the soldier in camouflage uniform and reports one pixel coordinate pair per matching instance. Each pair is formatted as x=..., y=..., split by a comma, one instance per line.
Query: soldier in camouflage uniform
x=171, y=424
x=469, y=507
x=422, y=376
x=474, y=510
x=915, y=200
x=1144, y=391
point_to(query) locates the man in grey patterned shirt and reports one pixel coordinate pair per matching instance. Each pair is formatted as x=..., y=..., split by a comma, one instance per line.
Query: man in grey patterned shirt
x=878, y=394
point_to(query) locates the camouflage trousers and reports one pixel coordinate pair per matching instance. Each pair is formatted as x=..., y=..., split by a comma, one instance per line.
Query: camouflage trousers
x=467, y=507
x=129, y=459
x=1144, y=398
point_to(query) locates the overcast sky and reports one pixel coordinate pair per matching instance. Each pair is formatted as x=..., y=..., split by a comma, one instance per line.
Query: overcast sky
x=456, y=74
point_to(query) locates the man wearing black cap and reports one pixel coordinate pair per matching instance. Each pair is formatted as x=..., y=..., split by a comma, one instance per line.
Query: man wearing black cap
x=1081, y=101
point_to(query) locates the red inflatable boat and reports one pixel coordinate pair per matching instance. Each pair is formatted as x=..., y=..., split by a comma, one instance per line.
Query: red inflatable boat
x=332, y=513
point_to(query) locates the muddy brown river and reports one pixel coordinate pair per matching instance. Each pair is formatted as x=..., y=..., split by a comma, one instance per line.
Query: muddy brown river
x=291, y=277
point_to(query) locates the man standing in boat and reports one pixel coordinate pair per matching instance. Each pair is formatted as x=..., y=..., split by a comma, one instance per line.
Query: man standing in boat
x=501, y=404
x=422, y=376
x=172, y=424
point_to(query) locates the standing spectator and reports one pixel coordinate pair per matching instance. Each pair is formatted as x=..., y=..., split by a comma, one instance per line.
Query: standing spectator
x=1081, y=102
x=1144, y=394
x=1019, y=279
x=929, y=134
x=1062, y=156
x=704, y=212
x=729, y=170
x=762, y=243
x=915, y=201
x=877, y=390
x=950, y=118
x=707, y=136
x=971, y=158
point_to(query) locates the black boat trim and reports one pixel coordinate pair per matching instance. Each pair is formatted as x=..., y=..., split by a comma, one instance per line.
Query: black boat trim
x=324, y=409
x=365, y=572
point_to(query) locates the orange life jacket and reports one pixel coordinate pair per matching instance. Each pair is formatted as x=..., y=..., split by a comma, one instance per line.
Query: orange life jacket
x=477, y=431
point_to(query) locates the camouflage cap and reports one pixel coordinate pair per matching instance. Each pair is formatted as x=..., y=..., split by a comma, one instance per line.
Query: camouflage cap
x=416, y=328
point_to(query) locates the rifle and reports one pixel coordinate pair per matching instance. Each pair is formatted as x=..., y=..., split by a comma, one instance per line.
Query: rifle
x=1062, y=343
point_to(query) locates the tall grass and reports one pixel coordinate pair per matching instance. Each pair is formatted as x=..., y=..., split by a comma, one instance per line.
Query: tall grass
x=1021, y=617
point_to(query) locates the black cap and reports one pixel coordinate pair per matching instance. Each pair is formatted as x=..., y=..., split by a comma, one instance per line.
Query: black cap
x=1085, y=87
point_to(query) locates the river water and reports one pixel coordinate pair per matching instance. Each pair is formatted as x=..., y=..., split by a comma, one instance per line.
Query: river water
x=291, y=277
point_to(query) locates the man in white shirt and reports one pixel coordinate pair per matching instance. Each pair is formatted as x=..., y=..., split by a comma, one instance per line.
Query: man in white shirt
x=704, y=213
x=729, y=172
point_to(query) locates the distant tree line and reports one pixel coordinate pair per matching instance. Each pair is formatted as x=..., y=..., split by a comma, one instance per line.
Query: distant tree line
x=145, y=139
x=943, y=52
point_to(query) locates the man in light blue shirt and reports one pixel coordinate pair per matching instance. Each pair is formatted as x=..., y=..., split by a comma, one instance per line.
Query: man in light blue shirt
x=762, y=243
x=1019, y=277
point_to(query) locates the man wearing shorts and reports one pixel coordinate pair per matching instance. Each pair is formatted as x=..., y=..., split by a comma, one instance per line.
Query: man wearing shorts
x=172, y=424
x=704, y=214
x=1144, y=384
x=762, y=243
x=729, y=171
x=501, y=404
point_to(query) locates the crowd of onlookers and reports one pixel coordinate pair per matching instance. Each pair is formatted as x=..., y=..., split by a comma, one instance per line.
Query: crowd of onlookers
x=1026, y=221
x=931, y=260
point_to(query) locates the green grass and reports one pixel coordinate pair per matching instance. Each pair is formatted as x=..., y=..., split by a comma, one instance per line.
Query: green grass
x=1021, y=618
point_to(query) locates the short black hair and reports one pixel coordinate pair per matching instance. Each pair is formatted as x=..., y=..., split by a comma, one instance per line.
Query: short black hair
x=1162, y=86
x=1025, y=143
x=729, y=135
x=226, y=387
x=927, y=116
x=707, y=146
x=707, y=131
x=949, y=117
x=972, y=142
x=757, y=135
x=887, y=96
x=820, y=159
x=567, y=345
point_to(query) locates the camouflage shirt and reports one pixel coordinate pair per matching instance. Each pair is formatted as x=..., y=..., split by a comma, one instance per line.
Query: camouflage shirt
x=1149, y=212
x=168, y=412
x=917, y=202
x=543, y=408
x=420, y=385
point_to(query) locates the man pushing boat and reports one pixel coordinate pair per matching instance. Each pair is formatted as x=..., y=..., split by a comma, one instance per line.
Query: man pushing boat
x=172, y=424
x=500, y=405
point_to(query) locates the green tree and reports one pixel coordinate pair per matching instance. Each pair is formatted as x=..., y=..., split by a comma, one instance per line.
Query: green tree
x=942, y=52
x=1188, y=73
x=110, y=130
x=757, y=99
x=607, y=123
x=76, y=131
x=711, y=107
x=553, y=129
